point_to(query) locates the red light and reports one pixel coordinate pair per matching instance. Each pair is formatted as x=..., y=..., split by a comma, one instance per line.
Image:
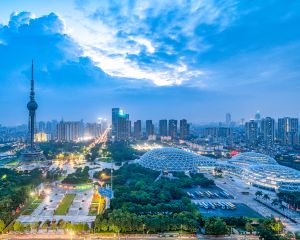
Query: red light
x=234, y=152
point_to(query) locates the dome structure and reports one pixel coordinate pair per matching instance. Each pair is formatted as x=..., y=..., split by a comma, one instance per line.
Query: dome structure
x=252, y=158
x=171, y=160
x=273, y=177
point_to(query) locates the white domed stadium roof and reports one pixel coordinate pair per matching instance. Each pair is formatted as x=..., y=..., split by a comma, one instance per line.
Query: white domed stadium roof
x=171, y=160
x=252, y=158
x=274, y=177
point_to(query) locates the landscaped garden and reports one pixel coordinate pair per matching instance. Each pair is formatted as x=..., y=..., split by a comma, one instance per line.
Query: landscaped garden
x=29, y=210
x=65, y=204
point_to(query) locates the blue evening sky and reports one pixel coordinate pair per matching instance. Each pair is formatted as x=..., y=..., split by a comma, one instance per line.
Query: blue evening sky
x=156, y=59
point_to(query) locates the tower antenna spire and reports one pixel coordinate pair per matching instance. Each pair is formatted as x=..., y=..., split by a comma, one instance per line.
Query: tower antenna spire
x=32, y=82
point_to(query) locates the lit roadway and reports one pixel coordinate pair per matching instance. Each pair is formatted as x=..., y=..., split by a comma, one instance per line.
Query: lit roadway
x=101, y=139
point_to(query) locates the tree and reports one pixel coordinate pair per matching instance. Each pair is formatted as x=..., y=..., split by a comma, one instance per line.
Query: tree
x=249, y=227
x=34, y=226
x=215, y=226
x=266, y=197
x=282, y=207
x=275, y=202
x=258, y=194
x=2, y=225
x=18, y=227
x=270, y=228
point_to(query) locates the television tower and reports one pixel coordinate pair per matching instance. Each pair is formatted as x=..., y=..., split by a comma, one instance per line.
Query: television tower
x=31, y=152
x=32, y=107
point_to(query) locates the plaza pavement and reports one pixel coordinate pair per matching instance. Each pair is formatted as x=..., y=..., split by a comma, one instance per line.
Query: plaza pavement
x=78, y=211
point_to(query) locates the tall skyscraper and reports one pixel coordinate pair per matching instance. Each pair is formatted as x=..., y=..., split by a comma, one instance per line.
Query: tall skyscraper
x=184, y=129
x=149, y=128
x=288, y=131
x=228, y=119
x=268, y=130
x=137, y=129
x=121, y=125
x=173, y=128
x=251, y=129
x=114, y=121
x=163, y=127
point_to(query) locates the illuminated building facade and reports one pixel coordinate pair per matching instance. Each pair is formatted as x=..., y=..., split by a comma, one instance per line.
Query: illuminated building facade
x=40, y=137
x=268, y=130
x=288, y=131
x=121, y=125
x=251, y=130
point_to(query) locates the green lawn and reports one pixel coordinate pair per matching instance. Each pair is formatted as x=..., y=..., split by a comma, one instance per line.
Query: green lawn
x=65, y=204
x=31, y=207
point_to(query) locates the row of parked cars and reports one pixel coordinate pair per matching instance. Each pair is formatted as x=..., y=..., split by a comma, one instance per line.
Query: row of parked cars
x=208, y=194
x=214, y=205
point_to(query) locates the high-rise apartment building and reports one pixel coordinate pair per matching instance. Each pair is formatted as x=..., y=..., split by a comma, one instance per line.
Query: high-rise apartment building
x=173, y=128
x=163, y=127
x=137, y=130
x=257, y=116
x=184, y=129
x=92, y=130
x=251, y=129
x=149, y=128
x=70, y=131
x=228, y=119
x=217, y=132
x=288, y=131
x=268, y=130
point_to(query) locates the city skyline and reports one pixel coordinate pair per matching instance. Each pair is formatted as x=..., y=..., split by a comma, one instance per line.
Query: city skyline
x=195, y=64
x=149, y=119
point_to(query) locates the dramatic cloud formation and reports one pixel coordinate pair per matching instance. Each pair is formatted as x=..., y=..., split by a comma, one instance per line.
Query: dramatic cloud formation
x=194, y=59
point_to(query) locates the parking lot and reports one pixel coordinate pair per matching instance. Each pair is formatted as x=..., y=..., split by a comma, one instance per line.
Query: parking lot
x=208, y=193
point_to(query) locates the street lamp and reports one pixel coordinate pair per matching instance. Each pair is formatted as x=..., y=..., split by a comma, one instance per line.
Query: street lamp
x=71, y=235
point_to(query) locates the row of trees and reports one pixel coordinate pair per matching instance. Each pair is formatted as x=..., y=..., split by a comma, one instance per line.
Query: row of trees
x=121, y=151
x=122, y=221
x=274, y=201
x=47, y=225
x=80, y=176
x=51, y=149
x=292, y=198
